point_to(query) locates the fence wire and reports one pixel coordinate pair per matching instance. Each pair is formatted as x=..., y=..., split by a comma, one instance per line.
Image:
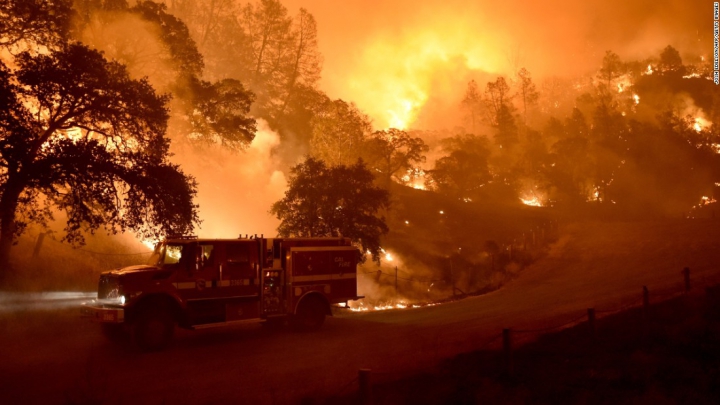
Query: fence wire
x=549, y=328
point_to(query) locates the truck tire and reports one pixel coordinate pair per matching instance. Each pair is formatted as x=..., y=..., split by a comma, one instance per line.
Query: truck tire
x=153, y=328
x=310, y=315
x=273, y=324
x=114, y=332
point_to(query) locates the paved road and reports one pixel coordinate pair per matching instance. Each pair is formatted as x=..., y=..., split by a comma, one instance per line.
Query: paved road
x=53, y=356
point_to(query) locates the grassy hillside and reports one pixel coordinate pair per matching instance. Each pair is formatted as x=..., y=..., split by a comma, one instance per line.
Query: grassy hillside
x=436, y=241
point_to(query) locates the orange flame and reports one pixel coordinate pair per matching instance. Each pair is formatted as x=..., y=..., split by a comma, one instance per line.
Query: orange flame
x=395, y=76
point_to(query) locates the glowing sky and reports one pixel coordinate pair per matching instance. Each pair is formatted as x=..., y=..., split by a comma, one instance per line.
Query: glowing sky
x=404, y=61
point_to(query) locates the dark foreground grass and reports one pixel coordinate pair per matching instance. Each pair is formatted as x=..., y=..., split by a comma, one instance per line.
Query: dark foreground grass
x=671, y=355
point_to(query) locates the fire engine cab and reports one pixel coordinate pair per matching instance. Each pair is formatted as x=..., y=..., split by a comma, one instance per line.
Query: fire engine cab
x=196, y=283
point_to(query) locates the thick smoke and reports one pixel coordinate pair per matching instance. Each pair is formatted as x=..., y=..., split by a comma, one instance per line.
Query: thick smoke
x=236, y=189
x=406, y=63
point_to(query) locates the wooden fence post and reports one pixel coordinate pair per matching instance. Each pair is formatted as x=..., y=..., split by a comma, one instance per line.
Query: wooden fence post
x=591, y=322
x=365, y=383
x=396, y=281
x=507, y=350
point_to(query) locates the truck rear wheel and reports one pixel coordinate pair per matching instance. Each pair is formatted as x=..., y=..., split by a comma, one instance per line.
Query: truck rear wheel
x=310, y=315
x=114, y=331
x=154, y=328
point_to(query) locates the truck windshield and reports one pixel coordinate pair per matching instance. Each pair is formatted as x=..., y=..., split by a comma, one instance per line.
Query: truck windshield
x=166, y=254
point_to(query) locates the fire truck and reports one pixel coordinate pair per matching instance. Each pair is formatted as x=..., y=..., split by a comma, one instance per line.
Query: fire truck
x=198, y=283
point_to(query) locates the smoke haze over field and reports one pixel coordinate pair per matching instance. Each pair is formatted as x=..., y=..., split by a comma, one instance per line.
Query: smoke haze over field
x=236, y=189
x=406, y=62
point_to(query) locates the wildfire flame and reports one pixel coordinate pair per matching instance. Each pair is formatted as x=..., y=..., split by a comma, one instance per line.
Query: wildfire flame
x=531, y=198
x=700, y=124
x=396, y=73
x=623, y=83
x=533, y=201
x=361, y=307
x=414, y=178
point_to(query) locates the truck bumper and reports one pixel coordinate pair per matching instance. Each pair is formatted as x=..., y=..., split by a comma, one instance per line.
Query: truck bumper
x=103, y=314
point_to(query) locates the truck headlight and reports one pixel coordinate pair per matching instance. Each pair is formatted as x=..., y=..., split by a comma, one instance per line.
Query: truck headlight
x=122, y=300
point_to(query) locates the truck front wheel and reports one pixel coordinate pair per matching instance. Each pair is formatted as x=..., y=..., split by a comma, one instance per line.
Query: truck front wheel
x=310, y=315
x=154, y=328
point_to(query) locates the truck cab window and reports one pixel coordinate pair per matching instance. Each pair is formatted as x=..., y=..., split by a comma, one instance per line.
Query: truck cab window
x=173, y=254
x=207, y=256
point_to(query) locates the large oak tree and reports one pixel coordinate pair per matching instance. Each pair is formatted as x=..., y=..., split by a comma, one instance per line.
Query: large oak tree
x=77, y=133
x=338, y=200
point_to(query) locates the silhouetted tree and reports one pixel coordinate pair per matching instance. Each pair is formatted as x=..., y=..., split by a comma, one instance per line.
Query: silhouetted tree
x=217, y=113
x=78, y=134
x=665, y=171
x=393, y=150
x=498, y=101
x=464, y=169
x=333, y=201
x=497, y=96
x=305, y=62
x=527, y=92
x=203, y=112
x=506, y=134
x=612, y=68
x=569, y=174
x=34, y=21
x=670, y=61
x=472, y=103
x=339, y=130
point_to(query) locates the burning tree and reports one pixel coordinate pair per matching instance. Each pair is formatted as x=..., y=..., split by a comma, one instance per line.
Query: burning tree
x=526, y=92
x=392, y=150
x=464, y=170
x=258, y=43
x=670, y=61
x=151, y=42
x=78, y=134
x=472, y=104
x=339, y=130
x=333, y=201
x=569, y=173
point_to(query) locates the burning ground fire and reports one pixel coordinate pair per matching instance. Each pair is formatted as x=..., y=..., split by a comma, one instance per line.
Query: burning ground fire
x=532, y=198
x=533, y=201
x=396, y=284
x=700, y=124
x=414, y=178
x=362, y=307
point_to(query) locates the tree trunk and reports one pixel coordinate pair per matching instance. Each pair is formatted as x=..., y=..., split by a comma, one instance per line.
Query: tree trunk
x=8, y=207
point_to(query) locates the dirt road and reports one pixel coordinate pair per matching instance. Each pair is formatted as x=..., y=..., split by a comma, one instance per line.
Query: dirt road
x=53, y=356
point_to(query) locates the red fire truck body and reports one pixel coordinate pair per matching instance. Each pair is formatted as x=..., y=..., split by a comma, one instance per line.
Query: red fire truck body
x=196, y=283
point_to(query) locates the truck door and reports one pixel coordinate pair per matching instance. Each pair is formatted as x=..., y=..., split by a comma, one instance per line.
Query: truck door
x=239, y=279
x=204, y=302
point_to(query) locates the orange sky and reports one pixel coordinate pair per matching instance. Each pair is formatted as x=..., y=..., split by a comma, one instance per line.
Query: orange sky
x=395, y=58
